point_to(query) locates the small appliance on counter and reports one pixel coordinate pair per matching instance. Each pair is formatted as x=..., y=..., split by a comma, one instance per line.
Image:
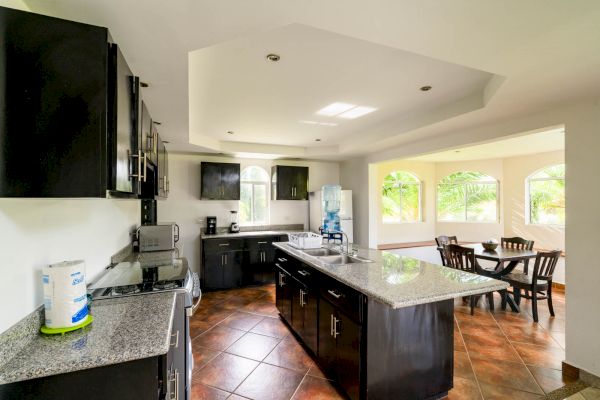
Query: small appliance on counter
x=211, y=225
x=234, y=226
x=161, y=237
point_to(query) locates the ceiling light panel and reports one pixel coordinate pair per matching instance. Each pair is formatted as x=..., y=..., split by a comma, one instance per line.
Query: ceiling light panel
x=357, y=112
x=335, y=109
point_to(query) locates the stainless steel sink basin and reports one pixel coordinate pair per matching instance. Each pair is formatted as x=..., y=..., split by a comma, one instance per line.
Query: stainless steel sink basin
x=321, y=252
x=343, y=259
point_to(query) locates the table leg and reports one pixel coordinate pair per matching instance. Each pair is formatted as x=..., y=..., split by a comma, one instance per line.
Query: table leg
x=513, y=306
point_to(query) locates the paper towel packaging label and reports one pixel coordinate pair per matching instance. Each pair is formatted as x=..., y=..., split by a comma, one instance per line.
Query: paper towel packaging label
x=65, y=300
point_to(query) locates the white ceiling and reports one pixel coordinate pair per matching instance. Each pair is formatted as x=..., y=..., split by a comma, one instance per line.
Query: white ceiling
x=546, y=50
x=534, y=143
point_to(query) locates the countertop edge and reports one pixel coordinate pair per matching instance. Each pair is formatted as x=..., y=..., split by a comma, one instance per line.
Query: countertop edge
x=396, y=305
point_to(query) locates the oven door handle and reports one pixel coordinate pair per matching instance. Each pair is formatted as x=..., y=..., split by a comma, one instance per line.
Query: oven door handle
x=197, y=292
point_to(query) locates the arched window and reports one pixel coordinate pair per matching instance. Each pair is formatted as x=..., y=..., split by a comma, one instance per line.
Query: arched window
x=467, y=196
x=254, y=196
x=546, y=196
x=401, y=198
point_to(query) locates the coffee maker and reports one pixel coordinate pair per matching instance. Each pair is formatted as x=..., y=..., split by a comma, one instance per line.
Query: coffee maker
x=234, y=227
x=211, y=225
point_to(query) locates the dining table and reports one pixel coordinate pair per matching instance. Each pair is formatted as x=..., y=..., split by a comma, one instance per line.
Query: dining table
x=506, y=260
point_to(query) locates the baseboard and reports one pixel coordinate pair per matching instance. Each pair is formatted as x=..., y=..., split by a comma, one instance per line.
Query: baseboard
x=558, y=286
x=393, y=246
x=569, y=371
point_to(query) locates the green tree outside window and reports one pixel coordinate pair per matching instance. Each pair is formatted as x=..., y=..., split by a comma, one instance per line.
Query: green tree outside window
x=401, y=198
x=467, y=196
x=546, y=189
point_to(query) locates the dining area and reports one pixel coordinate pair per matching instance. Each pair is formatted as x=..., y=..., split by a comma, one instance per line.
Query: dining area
x=528, y=271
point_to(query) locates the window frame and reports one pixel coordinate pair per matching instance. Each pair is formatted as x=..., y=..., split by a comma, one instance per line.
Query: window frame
x=465, y=183
x=253, y=183
x=419, y=183
x=528, y=180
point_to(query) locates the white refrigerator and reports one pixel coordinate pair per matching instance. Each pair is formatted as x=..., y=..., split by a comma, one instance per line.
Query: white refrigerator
x=317, y=214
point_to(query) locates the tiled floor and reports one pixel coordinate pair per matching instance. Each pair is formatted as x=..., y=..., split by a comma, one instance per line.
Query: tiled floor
x=243, y=351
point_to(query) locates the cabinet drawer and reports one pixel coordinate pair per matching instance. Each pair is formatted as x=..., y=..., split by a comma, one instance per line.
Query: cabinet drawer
x=212, y=246
x=343, y=297
x=306, y=274
x=261, y=242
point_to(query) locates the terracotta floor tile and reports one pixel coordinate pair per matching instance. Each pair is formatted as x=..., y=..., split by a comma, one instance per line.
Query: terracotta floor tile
x=464, y=389
x=462, y=366
x=549, y=379
x=270, y=382
x=504, y=373
x=214, y=316
x=533, y=334
x=316, y=372
x=203, y=392
x=242, y=321
x=458, y=343
x=271, y=327
x=253, y=346
x=290, y=354
x=198, y=327
x=226, y=371
x=218, y=338
x=490, y=347
x=266, y=308
x=202, y=356
x=494, y=392
x=236, y=397
x=236, y=303
x=549, y=357
x=559, y=338
x=317, y=389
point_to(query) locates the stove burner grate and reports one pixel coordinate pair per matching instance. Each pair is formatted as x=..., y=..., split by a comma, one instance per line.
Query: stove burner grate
x=165, y=285
x=127, y=289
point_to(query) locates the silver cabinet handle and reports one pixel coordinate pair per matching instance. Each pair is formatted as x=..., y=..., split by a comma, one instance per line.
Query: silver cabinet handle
x=262, y=242
x=335, y=331
x=223, y=244
x=334, y=294
x=282, y=259
x=176, y=344
x=139, y=156
x=331, y=325
x=222, y=259
x=174, y=378
x=225, y=258
x=303, y=272
x=145, y=165
x=302, y=294
x=281, y=281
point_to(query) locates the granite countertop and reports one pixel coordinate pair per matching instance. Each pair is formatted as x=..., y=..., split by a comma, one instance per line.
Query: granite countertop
x=124, y=329
x=400, y=281
x=227, y=235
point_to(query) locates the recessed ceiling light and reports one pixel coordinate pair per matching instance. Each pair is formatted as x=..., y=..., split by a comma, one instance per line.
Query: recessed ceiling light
x=317, y=140
x=328, y=123
x=457, y=151
x=425, y=88
x=335, y=109
x=273, y=57
x=357, y=112
x=308, y=122
x=230, y=132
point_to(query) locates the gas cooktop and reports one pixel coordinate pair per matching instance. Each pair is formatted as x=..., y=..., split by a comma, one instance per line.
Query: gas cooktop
x=140, y=277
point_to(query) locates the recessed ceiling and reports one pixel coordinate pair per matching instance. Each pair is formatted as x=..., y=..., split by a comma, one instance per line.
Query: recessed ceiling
x=233, y=87
x=535, y=143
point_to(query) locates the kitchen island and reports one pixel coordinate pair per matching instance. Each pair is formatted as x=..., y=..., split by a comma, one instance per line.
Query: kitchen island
x=380, y=324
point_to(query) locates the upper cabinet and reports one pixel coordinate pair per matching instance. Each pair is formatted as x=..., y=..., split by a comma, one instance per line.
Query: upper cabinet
x=163, y=167
x=220, y=181
x=289, y=183
x=72, y=122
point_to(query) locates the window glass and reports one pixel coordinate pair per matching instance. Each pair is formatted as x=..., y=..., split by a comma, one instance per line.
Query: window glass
x=467, y=196
x=401, y=198
x=546, y=192
x=254, y=196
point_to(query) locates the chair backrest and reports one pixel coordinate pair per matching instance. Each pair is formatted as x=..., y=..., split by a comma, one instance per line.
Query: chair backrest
x=545, y=262
x=516, y=243
x=459, y=257
x=442, y=240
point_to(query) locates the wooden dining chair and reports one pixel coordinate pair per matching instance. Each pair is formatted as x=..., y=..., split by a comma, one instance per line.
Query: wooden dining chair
x=441, y=241
x=518, y=243
x=536, y=284
x=463, y=258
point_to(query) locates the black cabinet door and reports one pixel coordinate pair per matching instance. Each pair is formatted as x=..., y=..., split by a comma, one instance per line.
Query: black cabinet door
x=283, y=294
x=327, y=343
x=213, y=271
x=311, y=319
x=230, y=181
x=147, y=135
x=162, y=178
x=178, y=343
x=211, y=187
x=298, y=291
x=300, y=183
x=232, y=268
x=285, y=182
x=348, y=354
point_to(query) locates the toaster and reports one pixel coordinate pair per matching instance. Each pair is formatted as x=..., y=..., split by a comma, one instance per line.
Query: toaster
x=160, y=237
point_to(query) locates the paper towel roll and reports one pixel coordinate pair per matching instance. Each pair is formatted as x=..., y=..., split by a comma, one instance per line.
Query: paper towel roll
x=65, y=300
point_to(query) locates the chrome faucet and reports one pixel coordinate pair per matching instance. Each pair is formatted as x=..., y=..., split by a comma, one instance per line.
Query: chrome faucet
x=342, y=244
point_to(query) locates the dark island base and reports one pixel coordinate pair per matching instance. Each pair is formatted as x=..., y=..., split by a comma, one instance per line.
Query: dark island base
x=410, y=351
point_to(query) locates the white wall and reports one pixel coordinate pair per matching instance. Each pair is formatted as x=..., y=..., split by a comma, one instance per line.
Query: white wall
x=186, y=209
x=354, y=175
x=37, y=232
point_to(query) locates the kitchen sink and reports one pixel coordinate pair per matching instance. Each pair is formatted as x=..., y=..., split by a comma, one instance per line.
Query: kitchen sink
x=321, y=252
x=343, y=259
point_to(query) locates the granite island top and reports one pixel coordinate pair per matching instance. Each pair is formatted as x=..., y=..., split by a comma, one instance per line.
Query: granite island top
x=124, y=329
x=400, y=281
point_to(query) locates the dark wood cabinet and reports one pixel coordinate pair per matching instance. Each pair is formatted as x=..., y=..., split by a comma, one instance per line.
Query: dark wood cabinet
x=71, y=109
x=163, y=167
x=223, y=270
x=220, y=181
x=289, y=183
x=284, y=293
x=261, y=259
x=305, y=313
